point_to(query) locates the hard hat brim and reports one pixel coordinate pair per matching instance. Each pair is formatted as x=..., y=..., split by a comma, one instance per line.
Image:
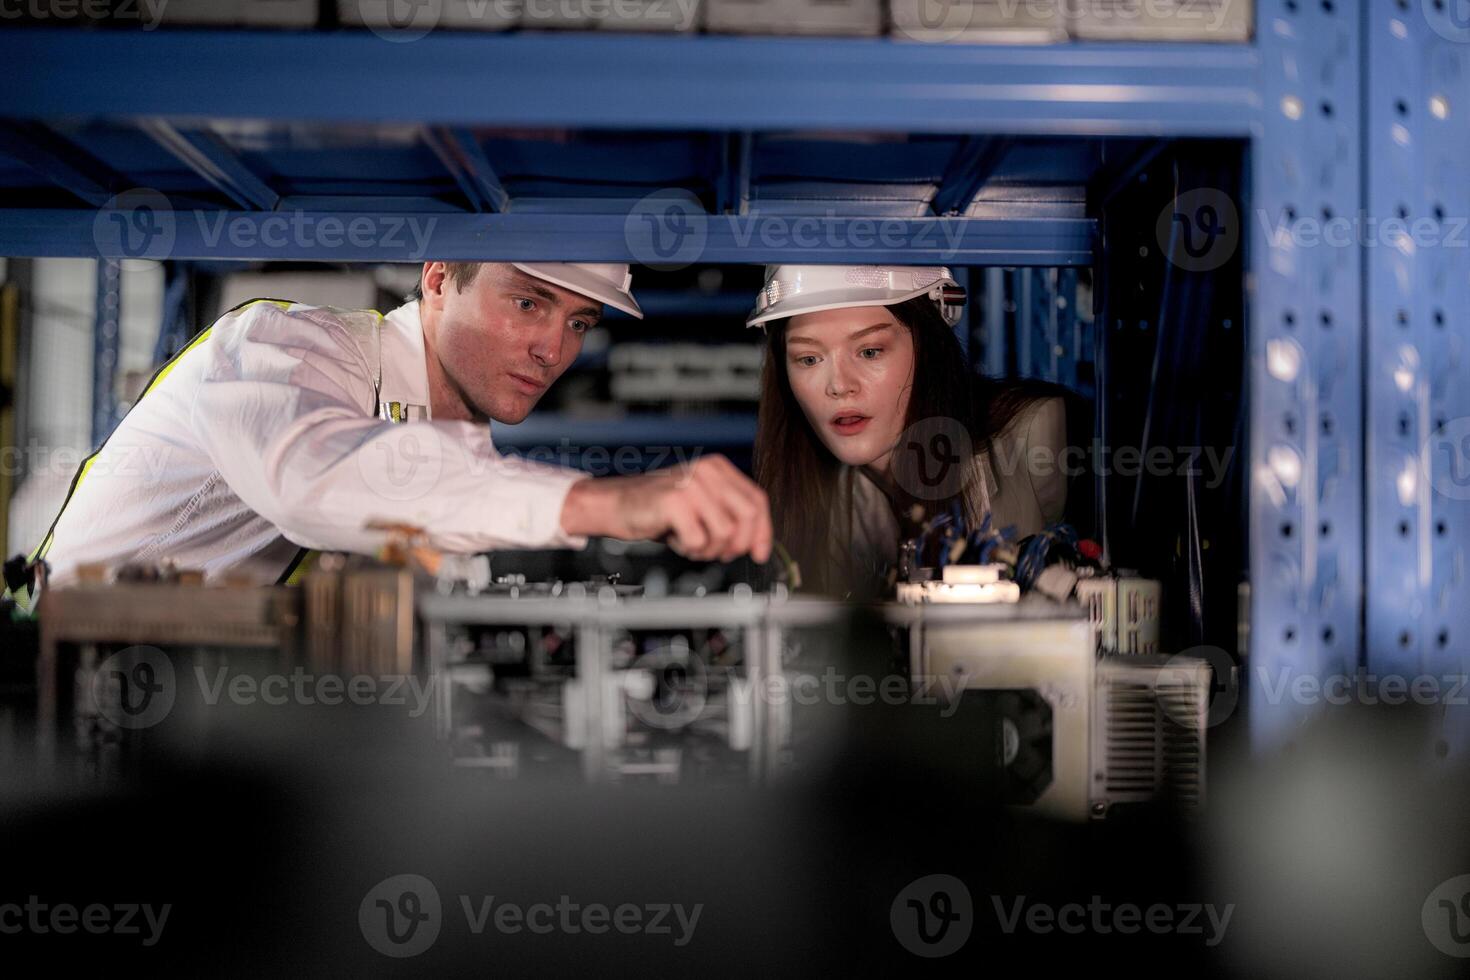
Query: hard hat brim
x=583, y=283
x=817, y=302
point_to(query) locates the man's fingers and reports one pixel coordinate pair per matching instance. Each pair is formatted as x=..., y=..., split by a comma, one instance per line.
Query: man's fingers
x=765, y=533
x=719, y=518
x=746, y=503
x=739, y=508
x=689, y=535
x=714, y=511
x=760, y=535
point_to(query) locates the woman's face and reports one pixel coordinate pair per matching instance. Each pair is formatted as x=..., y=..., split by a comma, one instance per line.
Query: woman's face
x=852, y=372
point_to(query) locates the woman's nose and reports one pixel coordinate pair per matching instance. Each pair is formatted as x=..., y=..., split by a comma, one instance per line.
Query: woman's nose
x=840, y=384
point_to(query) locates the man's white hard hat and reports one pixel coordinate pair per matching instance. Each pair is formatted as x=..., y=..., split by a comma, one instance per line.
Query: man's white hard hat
x=794, y=289
x=606, y=282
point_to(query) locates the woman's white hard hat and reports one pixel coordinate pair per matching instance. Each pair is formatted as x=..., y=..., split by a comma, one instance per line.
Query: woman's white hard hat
x=606, y=282
x=794, y=289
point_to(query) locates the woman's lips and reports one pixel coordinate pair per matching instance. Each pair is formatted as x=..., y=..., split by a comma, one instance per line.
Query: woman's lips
x=849, y=425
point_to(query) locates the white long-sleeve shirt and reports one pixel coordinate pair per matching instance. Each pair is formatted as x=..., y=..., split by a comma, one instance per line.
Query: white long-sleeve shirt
x=275, y=431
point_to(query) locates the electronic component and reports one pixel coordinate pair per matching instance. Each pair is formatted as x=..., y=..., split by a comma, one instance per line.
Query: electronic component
x=1124, y=612
x=1148, y=736
x=963, y=583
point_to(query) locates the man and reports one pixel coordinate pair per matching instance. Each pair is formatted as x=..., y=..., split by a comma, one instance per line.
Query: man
x=287, y=427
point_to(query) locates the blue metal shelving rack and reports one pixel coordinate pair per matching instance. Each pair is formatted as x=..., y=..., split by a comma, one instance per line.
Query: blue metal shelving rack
x=1353, y=110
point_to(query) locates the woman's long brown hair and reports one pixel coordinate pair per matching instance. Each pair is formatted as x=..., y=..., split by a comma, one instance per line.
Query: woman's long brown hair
x=803, y=478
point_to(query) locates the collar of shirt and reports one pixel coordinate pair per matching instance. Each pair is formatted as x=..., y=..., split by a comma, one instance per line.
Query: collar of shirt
x=405, y=367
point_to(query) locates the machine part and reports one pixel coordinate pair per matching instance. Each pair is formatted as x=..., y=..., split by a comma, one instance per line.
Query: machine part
x=1148, y=731
x=377, y=622
x=705, y=662
x=1056, y=582
x=1124, y=612
x=1043, y=661
x=87, y=617
x=921, y=592
x=972, y=574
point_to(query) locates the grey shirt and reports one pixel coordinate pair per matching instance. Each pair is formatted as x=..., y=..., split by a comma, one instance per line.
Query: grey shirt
x=1023, y=477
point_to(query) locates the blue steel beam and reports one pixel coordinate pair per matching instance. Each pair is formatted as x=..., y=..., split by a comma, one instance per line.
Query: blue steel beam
x=58, y=161
x=677, y=239
x=971, y=167
x=463, y=156
x=637, y=81
x=212, y=159
x=106, y=343
x=735, y=175
x=1305, y=355
x=1112, y=178
x=1418, y=407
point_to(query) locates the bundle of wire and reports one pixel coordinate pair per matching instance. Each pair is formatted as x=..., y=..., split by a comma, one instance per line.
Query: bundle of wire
x=945, y=540
x=1053, y=542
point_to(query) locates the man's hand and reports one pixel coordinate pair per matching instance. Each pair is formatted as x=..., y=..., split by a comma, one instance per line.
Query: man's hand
x=706, y=510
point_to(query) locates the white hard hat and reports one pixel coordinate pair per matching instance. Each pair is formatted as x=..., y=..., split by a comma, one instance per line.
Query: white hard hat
x=793, y=289
x=606, y=282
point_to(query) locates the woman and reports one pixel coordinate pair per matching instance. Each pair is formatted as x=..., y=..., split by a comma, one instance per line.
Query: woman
x=871, y=423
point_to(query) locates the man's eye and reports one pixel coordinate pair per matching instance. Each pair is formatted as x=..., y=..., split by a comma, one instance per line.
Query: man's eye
x=581, y=326
x=526, y=305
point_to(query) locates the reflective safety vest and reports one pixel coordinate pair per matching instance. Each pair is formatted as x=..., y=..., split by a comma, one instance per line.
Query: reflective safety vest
x=19, y=586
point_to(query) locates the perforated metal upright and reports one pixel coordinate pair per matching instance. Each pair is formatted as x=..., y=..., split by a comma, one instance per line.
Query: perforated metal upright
x=1418, y=311
x=1305, y=302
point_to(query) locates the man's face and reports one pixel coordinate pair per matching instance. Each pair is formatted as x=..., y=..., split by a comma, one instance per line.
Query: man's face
x=505, y=337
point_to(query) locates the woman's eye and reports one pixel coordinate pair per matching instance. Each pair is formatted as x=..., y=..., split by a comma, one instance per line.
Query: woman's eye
x=870, y=353
x=525, y=305
x=806, y=360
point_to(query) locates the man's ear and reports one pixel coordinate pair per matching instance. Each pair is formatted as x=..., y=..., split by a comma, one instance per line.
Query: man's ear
x=432, y=280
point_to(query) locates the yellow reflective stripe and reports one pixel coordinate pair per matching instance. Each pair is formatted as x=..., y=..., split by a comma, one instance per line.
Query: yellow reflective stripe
x=306, y=563
x=23, y=597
